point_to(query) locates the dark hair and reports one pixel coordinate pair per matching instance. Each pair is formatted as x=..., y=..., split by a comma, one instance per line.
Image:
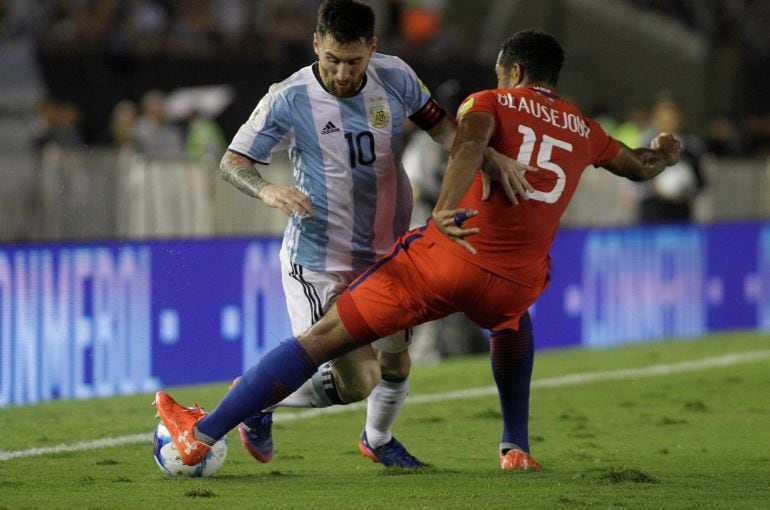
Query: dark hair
x=346, y=21
x=539, y=54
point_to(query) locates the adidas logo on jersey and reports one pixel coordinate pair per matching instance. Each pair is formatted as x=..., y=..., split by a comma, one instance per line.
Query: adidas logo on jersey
x=329, y=128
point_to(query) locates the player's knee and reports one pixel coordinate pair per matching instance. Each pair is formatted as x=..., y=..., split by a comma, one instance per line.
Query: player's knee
x=395, y=366
x=358, y=386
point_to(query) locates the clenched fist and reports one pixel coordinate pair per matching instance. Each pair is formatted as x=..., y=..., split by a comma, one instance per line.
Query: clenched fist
x=667, y=143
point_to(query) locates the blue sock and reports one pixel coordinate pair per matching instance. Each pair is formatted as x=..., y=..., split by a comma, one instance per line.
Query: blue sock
x=512, y=354
x=277, y=374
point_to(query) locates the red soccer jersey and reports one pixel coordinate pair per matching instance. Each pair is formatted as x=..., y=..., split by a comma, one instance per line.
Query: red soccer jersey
x=534, y=126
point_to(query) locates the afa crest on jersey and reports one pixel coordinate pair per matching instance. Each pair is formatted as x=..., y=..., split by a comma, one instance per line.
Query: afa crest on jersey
x=379, y=115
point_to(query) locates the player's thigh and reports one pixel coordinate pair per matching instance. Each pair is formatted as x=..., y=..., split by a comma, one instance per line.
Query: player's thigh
x=309, y=294
x=494, y=302
x=391, y=296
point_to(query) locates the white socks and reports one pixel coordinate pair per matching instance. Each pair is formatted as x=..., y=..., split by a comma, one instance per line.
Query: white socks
x=383, y=406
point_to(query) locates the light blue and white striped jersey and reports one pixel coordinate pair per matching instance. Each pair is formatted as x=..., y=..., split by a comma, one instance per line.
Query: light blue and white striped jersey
x=346, y=154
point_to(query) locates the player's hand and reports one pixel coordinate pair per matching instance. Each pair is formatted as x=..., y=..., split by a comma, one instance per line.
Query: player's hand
x=668, y=144
x=450, y=223
x=508, y=172
x=288, y=199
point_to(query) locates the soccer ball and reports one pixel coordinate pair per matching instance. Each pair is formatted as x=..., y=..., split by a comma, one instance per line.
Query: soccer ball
x=168, y=460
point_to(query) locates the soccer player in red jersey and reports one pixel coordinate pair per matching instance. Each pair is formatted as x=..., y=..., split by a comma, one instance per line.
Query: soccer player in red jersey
x=481, y=254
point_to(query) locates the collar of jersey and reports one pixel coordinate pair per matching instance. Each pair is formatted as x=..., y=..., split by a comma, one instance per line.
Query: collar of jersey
x=321, y=82
x=545, y=91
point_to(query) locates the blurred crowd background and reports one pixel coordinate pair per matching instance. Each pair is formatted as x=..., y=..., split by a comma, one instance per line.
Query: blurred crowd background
x=114, y=113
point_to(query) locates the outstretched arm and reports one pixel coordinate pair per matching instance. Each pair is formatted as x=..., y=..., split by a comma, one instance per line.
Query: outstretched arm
x=473, y=135
x=241, y=172
x=643, y=164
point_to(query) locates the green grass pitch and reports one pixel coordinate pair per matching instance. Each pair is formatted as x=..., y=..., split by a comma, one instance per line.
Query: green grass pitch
x=697, y=438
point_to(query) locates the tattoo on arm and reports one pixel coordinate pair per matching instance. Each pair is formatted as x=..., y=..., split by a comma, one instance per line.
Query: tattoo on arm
x=242, y=173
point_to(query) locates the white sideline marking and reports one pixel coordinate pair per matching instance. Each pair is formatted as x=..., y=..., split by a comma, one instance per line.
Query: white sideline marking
x=551, y=382
x=77, y=447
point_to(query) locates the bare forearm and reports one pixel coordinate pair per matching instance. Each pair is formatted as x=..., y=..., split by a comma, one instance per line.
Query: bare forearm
x=653, y=162
x=242, y=173
x=643, y=164
x=459, y=174
x=444, y=133
x=471, y=141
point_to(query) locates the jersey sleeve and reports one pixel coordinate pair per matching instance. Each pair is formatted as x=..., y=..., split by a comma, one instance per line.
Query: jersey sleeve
x=604, y=148
x=484, y=101
x=415, y=94
x=418, y=103
x=267, y=128
x=478, y=102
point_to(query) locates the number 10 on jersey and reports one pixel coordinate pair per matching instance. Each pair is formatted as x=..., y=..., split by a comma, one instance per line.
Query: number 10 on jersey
x=361, y=148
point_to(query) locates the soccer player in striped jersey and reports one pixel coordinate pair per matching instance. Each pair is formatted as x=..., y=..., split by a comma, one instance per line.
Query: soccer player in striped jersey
x=341, y=120
x=486, y=258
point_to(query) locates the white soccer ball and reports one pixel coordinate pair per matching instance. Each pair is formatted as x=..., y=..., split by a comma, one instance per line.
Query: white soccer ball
x=168, y=460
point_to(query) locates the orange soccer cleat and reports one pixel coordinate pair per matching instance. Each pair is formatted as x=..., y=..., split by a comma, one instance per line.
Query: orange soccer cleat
x=180, y=422
x=517, y=460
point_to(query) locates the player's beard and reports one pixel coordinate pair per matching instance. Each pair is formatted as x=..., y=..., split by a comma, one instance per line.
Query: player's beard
x=346, y=91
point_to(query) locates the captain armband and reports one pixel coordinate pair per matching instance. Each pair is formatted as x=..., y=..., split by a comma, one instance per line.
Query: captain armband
x=428, y=116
